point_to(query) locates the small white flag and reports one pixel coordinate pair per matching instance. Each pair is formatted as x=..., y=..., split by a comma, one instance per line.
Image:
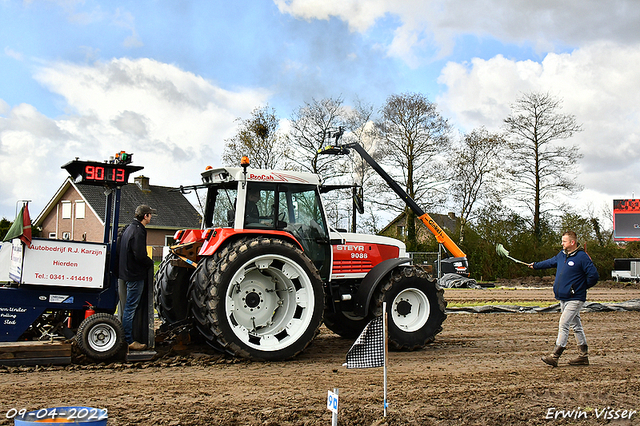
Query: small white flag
x=368, y=349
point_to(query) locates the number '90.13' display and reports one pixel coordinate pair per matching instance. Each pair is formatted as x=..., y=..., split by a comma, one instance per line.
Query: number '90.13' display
x=114, y=173
x=107, y=172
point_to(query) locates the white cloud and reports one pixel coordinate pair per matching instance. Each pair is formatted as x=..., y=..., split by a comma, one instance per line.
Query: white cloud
x=479, y=93
x=87, y=17
x=597, y=84
x=173, y=121
x=432, y=26
x=126, y=20
x=70, y=8
x=4, y=107
x=360, y=15
x=13, y=54
x=29, y=142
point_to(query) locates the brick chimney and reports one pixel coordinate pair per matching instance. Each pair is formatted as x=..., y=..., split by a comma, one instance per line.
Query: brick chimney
x=143, y=182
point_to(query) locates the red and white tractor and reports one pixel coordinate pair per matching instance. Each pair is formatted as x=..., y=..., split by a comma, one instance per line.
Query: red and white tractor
x=265, y=270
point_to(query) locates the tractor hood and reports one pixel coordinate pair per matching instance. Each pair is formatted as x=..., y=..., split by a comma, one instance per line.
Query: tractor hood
x=351, y=238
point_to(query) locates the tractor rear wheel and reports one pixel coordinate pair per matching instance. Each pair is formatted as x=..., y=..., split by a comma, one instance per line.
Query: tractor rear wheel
x=415, y=307
x=261, y=299
x=171, y=288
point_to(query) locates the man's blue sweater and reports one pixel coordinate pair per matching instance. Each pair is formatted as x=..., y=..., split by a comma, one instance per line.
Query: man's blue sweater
x=575, y=274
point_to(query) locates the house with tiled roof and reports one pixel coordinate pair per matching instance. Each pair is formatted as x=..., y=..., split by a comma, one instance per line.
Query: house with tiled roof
x=76, y=212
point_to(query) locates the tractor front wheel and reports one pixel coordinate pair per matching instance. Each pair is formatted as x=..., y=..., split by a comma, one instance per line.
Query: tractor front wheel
x=415, y=307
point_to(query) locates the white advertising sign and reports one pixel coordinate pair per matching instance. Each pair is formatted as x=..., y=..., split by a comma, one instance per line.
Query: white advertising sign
x=15, y=269
x=64, y=263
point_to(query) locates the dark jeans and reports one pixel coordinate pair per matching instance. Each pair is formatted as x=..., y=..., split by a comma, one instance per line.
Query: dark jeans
x=134, y=293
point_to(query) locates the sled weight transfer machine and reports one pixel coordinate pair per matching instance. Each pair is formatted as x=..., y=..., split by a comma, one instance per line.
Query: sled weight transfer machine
x=61, y=289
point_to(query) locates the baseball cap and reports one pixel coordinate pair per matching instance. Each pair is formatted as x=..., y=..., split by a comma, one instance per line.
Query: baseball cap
x=145, y=209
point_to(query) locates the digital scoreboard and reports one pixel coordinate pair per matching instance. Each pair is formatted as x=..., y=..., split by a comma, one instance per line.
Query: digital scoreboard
x=113, y=173
x=626, y=220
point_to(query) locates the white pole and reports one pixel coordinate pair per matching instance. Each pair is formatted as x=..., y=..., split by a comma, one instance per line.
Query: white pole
x=23, y=203
x=385, y=337
x=334, y=415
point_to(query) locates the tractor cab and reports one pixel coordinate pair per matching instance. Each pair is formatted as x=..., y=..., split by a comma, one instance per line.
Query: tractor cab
x=269, y=202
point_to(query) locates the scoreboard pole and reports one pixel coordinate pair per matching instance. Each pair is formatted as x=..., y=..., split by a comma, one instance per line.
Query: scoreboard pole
x=112, y=206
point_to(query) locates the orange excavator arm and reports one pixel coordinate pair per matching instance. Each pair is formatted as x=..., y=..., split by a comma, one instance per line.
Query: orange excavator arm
x=441, y=236
x=431, y=224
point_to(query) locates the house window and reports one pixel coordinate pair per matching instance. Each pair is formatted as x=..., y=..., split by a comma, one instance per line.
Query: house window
x=66, y=236
x=66, y=209
x=168, y=240
x=400, y=231
x=52, y=235
x=80, y=208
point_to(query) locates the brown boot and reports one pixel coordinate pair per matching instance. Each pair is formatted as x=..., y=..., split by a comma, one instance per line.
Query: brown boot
x=582, y=358
x=137, y=346
x=552, y=358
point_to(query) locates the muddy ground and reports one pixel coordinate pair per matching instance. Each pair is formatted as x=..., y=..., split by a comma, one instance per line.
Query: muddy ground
x=483, y=369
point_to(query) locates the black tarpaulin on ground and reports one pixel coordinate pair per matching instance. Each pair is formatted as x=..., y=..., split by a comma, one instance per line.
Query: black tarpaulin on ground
x=457, y=281
x=629, y=305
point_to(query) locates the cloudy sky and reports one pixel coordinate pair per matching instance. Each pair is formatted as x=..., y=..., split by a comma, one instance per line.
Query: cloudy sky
x=167, y=80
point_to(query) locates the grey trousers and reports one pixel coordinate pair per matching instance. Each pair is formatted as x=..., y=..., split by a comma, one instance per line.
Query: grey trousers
x=570, y=319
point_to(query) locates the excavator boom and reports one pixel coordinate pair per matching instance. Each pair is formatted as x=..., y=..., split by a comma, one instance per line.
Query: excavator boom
x=431, y=224
x=441, y=236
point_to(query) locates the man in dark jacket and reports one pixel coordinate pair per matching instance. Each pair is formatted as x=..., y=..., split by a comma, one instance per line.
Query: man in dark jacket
x=574, y=275
x=134, y=264
x=252, y=213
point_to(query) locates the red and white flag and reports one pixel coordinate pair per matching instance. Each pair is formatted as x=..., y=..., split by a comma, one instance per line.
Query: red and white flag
x=21, y=227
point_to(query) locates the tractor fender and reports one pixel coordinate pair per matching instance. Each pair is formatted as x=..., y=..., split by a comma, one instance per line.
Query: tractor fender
x=370, y=282
x=223, y=235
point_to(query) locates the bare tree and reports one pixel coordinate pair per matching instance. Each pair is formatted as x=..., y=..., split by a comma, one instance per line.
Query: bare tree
x=349, y=171
x=313, y=126
x=358, y=126
x=477, y=166
x=602, y=223
x=413, y=135
x=259, y=139
x=541, y=168
x=360, y=129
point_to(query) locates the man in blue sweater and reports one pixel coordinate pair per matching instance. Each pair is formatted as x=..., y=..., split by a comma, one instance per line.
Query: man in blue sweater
x=574, y=275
